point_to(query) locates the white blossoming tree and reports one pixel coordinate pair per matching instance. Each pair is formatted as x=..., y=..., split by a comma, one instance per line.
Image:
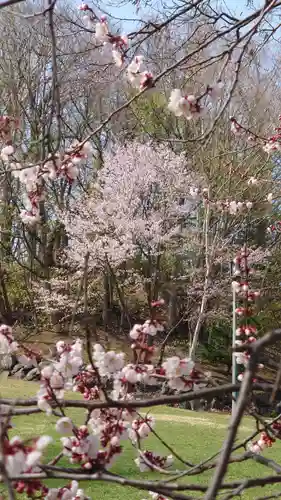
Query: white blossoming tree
x=142, y=199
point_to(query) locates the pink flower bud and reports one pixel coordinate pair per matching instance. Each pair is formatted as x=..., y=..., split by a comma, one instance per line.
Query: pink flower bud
x=239, y=311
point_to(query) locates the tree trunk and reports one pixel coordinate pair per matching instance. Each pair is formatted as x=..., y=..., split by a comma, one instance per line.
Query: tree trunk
x=106, y=299
x=172, y=308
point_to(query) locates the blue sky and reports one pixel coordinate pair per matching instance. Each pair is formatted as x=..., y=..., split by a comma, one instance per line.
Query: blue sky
x=128, y=11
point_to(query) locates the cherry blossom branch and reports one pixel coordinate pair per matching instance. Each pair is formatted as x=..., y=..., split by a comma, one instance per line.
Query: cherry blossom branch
x=160, y=439
x=246, y=386
x=258, y=16
x=205, y=466
x=157, y=486
x=145, y=403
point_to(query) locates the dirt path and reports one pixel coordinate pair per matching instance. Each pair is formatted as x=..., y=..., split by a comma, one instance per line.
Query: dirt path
x=42, y=427
x=195, y=421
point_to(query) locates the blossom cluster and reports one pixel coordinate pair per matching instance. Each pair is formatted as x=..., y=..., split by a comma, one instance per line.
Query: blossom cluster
x=8, y=126
x=70, y=492
x=35, y=487
x=86, y=383
x=264, y=441
x=34, y=178
x=246, y=331
x=20, y=457
x=148, y=461
x=188, y=105
x=83, y=447
x=136, y=74
x=96, y=444
x=58, y=376
x=24, y=457
x=8, y=345
x=108, y=363
x=232, y=207
x=274, y=228
x=184, y=105
x=102, y=34
x=180, y=373
x=109, y=426
x=270, y=145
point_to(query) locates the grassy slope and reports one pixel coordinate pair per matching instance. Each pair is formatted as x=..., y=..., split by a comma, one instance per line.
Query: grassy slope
x=195, y=436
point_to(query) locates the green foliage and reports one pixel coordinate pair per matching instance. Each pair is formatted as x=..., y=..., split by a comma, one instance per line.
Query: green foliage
x=15, y=281
x=152, y=115
x=217, y=347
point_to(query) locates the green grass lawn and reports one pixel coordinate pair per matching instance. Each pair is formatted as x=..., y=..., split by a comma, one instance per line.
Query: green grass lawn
x=195, y=436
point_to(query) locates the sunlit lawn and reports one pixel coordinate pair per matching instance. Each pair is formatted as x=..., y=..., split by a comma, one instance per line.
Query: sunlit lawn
x=194, y=440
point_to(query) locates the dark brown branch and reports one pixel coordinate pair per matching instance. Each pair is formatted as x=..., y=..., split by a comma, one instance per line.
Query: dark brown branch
x=211, y=392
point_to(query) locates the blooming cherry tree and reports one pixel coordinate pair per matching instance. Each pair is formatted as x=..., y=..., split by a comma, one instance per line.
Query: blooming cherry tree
x=133, y=210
